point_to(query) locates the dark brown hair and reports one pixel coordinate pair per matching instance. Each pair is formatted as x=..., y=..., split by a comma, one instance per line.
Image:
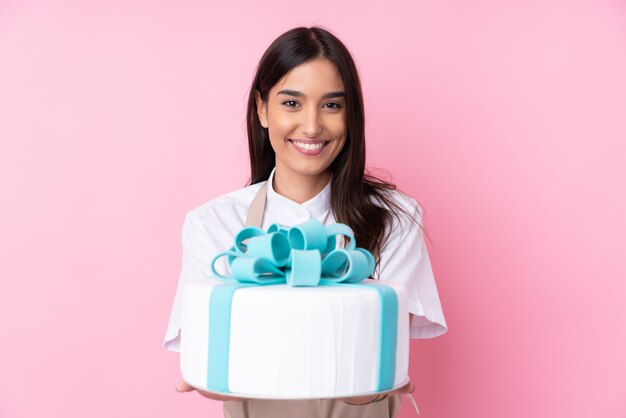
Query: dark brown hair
x=353, y=191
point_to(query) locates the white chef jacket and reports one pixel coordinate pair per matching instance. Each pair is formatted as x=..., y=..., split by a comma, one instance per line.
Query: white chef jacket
x=211, y=228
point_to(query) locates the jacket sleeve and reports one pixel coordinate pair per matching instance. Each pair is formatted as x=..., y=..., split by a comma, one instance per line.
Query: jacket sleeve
x=199, y=247
x=404, y=259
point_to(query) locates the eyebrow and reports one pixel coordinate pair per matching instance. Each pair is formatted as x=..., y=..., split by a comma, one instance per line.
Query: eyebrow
x=300, y=94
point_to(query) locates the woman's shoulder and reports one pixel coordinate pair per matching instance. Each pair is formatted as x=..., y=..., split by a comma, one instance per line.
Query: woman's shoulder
x=407, y=203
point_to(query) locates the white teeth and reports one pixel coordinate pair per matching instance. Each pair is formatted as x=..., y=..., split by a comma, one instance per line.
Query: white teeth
x=306, y=146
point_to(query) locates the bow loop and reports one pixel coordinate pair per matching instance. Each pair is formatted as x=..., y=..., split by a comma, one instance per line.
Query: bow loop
x=302, y=255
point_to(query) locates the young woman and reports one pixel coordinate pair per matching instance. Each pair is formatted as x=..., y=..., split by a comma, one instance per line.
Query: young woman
x=307, y=153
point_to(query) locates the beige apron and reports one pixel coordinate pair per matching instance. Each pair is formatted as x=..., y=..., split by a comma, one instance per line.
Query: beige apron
x=309, y=408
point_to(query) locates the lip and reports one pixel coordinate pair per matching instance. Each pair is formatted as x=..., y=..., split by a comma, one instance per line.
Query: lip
x=311, y=153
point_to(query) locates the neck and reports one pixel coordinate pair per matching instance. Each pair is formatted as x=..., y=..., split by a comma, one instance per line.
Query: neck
x=299, y=188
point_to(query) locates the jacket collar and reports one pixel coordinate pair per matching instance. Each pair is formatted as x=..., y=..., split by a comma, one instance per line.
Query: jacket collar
x=317, y=206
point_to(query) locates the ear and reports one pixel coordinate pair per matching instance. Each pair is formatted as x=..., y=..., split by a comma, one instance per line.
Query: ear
x=261, y=109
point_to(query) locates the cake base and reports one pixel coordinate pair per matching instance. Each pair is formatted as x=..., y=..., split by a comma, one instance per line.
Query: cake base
x=245, y=396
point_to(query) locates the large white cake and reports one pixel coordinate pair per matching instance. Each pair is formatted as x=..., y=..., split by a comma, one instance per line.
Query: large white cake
x=283, y=342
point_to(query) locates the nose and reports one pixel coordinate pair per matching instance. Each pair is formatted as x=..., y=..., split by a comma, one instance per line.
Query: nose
x=311, y=125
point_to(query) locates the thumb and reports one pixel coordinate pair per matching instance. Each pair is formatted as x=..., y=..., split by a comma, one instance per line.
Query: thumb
x=182, y=386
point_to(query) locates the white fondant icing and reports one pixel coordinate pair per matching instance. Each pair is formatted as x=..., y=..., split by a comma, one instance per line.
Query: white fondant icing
x=295, y=342
x=194, y=342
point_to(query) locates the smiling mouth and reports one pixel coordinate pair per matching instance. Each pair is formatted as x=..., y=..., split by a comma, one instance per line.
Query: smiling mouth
x=312, y=148
x=309, y=146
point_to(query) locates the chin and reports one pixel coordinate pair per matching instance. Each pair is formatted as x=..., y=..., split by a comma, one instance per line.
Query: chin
x=309, y=171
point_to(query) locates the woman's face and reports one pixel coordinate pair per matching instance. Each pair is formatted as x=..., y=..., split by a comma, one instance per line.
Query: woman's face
x=305, y=114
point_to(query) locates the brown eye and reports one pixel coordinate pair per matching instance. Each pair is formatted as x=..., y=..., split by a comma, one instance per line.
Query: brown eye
x=288, y=103
x=335, y=105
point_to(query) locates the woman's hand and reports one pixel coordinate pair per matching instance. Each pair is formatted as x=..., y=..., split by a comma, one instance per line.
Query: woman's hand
x=183, y=386
x=361, y=400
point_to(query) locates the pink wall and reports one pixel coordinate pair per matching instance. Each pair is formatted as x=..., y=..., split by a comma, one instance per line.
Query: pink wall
x=506, y=121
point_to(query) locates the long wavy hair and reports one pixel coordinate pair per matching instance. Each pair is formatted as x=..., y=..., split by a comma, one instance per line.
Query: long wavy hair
x=357, y=198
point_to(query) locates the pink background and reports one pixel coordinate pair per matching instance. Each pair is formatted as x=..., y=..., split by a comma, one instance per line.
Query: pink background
x=506, y=121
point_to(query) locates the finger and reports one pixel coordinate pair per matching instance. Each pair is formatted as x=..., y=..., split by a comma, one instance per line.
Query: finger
x=182, y=386
x=408, y=388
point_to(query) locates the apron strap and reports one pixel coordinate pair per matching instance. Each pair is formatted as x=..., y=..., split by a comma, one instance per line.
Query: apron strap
x=257, y=207
x=413, y=403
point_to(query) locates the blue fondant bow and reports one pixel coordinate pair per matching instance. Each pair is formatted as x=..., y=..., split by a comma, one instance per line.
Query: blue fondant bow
x=301, y=255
